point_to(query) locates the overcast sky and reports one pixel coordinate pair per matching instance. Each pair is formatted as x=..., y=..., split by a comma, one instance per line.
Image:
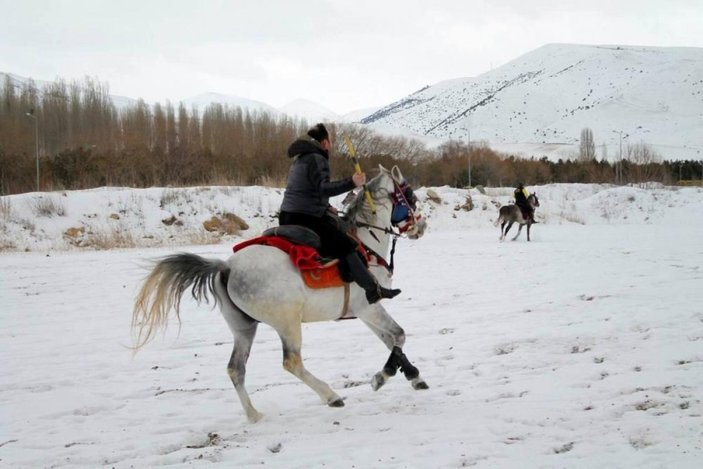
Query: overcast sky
x=343, y=54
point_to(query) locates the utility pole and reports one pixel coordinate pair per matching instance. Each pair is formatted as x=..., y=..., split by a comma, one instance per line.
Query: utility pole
x=620, y=161
x=468, y=144
x=36, y=142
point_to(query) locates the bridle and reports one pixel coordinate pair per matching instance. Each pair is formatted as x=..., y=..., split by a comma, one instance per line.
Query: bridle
x=406, y=227
x=401, y=228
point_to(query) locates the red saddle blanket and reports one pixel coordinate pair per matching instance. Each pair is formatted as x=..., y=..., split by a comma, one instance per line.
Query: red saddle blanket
x=305, y=258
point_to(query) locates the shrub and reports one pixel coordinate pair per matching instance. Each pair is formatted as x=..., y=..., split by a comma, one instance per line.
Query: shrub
x=47, y=206
x=5, y=208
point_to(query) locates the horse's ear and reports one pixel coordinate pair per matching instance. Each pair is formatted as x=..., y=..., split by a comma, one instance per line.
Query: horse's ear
x=397, y=175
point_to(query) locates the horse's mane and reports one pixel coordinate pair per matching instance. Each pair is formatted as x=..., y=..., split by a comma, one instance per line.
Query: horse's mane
x=358, y=207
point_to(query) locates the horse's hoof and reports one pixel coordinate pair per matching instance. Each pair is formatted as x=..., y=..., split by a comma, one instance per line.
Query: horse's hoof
x=377, y=381
x=336, y=402
x=419, y=384
x=254, y=416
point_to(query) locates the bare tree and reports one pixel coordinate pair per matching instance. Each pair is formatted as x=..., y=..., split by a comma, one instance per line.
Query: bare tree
x=194, y=135
x=646, y=161
x=171, y=130
x=183, y=130
x=160, y=129
x=587, y=147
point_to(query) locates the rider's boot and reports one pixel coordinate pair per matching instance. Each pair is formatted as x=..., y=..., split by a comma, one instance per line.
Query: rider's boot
x=366, y=280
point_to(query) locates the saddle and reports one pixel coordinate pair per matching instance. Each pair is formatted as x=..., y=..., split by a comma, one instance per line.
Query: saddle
x=296, y=234
x=302, y=245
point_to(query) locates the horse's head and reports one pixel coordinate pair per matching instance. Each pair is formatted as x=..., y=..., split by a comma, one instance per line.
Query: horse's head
x=533, y=200
x=394, y=203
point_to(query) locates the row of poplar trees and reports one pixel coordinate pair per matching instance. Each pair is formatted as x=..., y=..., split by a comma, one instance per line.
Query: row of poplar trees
x=80, y=139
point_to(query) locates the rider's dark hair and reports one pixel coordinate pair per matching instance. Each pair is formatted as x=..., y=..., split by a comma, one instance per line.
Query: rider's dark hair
x=319, y=132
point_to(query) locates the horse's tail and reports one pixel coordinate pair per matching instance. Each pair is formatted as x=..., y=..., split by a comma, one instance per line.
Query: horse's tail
x=501, y=215
x=163, y=288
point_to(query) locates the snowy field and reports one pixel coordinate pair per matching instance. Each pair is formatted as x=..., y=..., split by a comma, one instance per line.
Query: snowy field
x=580, y=349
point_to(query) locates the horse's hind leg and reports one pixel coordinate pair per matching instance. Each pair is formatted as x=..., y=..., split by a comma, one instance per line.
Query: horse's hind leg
x=391, y=334
x=291, y=339
x=236, y=368
x=244, y=330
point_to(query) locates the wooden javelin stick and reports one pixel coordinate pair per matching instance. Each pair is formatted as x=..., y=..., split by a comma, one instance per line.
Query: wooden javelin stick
x=357, y=167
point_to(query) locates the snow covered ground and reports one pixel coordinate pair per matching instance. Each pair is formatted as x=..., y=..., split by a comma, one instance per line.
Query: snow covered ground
x=582, y=348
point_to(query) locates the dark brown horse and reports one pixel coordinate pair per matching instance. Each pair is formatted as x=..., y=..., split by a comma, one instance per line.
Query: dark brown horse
x=509, y=214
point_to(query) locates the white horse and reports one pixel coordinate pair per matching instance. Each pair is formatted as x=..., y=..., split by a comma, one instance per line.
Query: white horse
x=260, y=284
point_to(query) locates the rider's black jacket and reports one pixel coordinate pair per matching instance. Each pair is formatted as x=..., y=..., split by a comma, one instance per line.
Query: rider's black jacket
x=309, y=187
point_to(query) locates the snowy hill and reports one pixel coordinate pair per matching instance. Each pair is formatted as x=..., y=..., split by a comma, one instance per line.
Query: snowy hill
x=314, y=112
x=359, y=114
x=539, y=103
x=123, y=217
x=300, y=109
x=203, y=100
x=18, y=82
x=310, y=111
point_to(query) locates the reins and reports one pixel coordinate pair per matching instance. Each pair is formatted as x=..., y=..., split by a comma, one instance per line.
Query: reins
x=389, y=230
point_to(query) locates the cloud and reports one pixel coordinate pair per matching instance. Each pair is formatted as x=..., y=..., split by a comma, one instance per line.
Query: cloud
x=344, y=54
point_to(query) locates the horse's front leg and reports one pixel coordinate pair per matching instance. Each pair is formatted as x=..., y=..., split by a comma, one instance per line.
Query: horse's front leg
x=291, y=338
x=528, y=230
x=391, y=334
x=397, y=360
x=519, y=230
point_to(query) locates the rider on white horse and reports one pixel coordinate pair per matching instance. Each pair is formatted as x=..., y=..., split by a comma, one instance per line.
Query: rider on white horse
x=306, y=203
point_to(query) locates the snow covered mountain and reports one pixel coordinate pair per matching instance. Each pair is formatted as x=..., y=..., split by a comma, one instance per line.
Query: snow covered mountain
x=538, y=103
x=310, y=111
x=359, y=114
x=203, y=100
x=18, y=82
